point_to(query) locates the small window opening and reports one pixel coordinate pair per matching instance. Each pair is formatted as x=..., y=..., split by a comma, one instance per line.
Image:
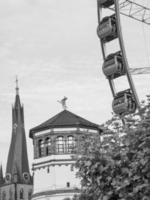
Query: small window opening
x=68, y=184
x=21, y=193
x=72, y=168
x=48, y=170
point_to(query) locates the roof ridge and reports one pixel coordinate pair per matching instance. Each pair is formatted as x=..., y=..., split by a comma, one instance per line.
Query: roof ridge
x=52, y=118
x=78, y=117
x=62, y=119
x=59, y=114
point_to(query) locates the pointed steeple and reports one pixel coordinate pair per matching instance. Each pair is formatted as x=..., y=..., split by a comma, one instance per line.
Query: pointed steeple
x=17, y=100
x=17, y=163
x=17, y=87
x=1, y=176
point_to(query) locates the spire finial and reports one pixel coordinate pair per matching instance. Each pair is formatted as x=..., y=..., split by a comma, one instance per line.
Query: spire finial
x=17, y=87
x=63, y=103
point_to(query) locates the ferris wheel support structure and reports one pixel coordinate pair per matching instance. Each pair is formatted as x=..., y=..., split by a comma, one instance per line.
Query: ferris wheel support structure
x=115, y=64
x=122, y=47
x=134, y=10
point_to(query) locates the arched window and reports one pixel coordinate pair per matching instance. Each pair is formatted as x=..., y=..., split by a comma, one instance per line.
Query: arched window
x=29, y=195
x=60, y=144
x=11, y=194
x=3, y=195
x=21, y=193
x=70, y=143
x=40, y=147
x=47, y=145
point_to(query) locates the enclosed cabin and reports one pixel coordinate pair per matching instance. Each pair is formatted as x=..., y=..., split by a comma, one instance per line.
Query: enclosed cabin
x=124, y=103
x=113, y=66
x=107, y=29
x=106, y=3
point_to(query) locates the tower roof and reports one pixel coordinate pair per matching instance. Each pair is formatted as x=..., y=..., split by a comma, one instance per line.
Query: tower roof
x=17, y=162
x=64, y=119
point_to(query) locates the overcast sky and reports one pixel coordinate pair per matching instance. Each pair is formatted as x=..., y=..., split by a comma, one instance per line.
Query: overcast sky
x=53, y=48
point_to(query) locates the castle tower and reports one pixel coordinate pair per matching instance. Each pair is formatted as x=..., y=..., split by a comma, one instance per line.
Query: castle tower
x=18, y=182
x=54, y=143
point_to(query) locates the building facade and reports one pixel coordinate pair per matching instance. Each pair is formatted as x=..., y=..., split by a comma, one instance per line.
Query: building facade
x=56, y=141
x=17, y=182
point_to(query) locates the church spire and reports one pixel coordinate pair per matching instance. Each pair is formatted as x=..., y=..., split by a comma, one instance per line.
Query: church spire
x=17, y=87
x=17, y=163
x=17, y=100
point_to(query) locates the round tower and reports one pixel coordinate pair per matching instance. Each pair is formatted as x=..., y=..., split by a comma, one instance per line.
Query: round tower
x=55, y=142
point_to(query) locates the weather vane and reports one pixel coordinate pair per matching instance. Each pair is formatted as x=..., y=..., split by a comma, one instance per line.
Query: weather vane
x=63, y=103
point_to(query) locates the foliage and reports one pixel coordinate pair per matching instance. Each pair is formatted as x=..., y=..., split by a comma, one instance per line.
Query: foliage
x=117, y=165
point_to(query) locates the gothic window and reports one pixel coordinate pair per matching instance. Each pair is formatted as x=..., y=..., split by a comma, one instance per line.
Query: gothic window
x=29, y=194
x=70, y=144
x=47, y=145
x=3, y=195
x=60, y=144
x=21, y=193
x=40, y=147
x=10, y=194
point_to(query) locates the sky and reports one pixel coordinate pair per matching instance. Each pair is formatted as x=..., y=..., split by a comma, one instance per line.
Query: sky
x=52, y=46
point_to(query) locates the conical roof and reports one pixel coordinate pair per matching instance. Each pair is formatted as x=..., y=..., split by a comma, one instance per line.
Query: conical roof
x=64, y=119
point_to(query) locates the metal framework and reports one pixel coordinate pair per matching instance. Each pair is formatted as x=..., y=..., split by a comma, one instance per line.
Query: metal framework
x=109, y=28
x=134, y=10
x=139, y=13
x=140, y=70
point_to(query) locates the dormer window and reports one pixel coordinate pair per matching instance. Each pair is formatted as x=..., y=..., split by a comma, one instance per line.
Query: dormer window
x=60, y=144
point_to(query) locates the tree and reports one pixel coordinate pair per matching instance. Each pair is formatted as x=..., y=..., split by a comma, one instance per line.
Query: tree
x=117, y=166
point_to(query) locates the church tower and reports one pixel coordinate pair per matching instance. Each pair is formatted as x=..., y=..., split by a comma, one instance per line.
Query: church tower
x=55, y=142
x=17, y=184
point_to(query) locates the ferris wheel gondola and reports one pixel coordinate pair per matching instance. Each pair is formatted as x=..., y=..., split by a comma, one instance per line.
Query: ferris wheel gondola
x=113, y=66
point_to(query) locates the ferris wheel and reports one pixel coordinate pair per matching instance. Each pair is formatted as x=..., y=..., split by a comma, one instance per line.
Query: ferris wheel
x=115, y=64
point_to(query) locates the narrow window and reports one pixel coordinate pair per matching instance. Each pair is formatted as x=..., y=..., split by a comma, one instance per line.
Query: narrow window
x=60, y=144
x=70, y=144
x=21, y=193
x=4, y=195
x=68, y=184
x=47, y=145
x=48, y=170
x=29, y=195
x=72, y=168
x=10, y=194
x=40, y=147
